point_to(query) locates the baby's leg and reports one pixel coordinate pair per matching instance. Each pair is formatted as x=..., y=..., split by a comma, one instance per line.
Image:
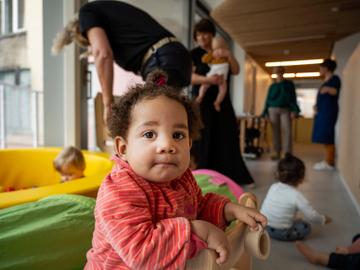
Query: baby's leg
x=202, y=92
x=220, y=96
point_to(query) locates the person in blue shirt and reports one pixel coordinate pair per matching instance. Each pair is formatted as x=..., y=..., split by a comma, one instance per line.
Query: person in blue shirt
x=326, y=113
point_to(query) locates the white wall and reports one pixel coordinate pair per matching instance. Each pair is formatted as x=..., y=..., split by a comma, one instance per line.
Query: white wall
x=212, y=4
x=343, y=49
x=52, y=75
x=237, y=82
x=348, y=147
x=34, y=42
x=172, y=14
x=256, y=84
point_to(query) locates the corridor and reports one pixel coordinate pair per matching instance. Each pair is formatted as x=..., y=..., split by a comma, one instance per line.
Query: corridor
x=327, y=194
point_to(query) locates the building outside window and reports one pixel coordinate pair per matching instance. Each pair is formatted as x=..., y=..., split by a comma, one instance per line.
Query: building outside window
x=11, y=16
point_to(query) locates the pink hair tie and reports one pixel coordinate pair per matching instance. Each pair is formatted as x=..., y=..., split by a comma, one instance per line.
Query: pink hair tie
x=160, y=80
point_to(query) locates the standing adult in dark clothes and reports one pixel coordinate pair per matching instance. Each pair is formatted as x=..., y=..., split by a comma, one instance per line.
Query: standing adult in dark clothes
x=218, y=148
x=326, y=112
x=116, y=31
x=281, y=107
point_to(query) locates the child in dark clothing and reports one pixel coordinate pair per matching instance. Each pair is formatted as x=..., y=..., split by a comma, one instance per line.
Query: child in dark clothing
x=347, y=258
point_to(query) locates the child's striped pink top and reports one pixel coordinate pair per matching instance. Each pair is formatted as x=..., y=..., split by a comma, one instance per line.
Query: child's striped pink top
x=145, y=225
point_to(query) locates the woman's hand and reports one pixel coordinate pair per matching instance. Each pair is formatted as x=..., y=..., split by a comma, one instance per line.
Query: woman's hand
x=328, y=90
x=315, y=108
x=215, y=79
x=250, y=216
x=213, y=236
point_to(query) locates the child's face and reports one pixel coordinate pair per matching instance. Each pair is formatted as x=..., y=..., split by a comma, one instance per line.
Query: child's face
x=218, y=43
x=157, y=146
x=71, y=172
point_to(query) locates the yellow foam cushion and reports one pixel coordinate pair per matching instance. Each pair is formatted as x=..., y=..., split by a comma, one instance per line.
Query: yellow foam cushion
x=33, y=170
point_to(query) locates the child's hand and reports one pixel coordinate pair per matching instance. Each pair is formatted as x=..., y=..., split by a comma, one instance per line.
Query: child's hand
x=218, y=53
x=217, y=241
x=250, y=216
x=328, y=219
x=213, y=236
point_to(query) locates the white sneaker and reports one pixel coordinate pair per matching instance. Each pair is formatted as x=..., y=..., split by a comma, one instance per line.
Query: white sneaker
x=323, y=166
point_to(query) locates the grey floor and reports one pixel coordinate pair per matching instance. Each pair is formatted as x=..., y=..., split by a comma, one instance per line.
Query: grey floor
x=326, y=193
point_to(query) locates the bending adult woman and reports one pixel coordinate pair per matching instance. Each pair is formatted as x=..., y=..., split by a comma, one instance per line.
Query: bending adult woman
x=326, y=112
x=218, y=148
x=117, y=31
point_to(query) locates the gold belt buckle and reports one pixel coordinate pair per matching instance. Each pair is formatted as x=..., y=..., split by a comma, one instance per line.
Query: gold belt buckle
x=157, y=46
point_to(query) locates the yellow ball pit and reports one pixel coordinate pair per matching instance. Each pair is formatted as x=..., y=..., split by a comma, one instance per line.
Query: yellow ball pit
x=30, y=172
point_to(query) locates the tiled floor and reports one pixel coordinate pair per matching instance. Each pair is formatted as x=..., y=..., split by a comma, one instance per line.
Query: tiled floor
x=326, y=193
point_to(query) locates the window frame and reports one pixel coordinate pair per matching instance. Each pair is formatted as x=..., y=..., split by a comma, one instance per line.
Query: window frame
x=11, y=17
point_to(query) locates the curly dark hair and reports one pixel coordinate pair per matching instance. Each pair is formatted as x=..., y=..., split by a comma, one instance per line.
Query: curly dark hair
x=291, y=170
x=329, y=64
x=155, y=86
x=205, y=26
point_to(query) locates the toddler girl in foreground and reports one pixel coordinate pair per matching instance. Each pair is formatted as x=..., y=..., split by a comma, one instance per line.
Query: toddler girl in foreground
x=283, y=201
x=150, y=213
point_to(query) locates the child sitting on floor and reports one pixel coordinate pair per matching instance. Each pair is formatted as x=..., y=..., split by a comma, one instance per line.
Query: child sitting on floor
x=70, y=163
x=150, y=213
x=283, y=201
x=218, y=66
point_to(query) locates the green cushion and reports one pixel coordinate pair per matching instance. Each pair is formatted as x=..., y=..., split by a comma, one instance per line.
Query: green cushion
x=52, y=233
x=207, y=187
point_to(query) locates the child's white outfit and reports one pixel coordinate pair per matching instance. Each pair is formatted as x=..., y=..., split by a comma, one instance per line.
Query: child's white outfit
x=219, y=69
x=216, y=68
x=281, y=205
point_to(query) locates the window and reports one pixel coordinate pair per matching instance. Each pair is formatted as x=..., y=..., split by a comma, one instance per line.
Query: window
x=306, y=98
x=11, y=16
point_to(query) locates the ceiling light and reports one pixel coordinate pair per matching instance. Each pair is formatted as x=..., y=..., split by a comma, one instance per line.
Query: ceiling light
x=307, y=74
x=294, y=63
x=298, y=75
x=285, y=75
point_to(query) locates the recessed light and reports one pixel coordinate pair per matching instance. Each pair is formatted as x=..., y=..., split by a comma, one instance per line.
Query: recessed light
x=286, y=52
x=294, y=63
x=298, y=75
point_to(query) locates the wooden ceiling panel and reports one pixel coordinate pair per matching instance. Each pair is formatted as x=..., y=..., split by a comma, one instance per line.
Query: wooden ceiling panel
x=250, y=7
x=294, y=47
x=288, y=30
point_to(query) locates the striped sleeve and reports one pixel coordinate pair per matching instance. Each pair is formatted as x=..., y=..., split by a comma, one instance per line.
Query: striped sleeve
x=125, y=218
x=211, y=207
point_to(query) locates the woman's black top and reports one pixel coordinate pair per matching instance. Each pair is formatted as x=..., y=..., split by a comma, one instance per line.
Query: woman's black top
x=130, y=30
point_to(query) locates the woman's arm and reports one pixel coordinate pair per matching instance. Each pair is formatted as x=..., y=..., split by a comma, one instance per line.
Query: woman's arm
x=200, y=79
x=234, y=64
x=328, y=90
x=103, y=56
